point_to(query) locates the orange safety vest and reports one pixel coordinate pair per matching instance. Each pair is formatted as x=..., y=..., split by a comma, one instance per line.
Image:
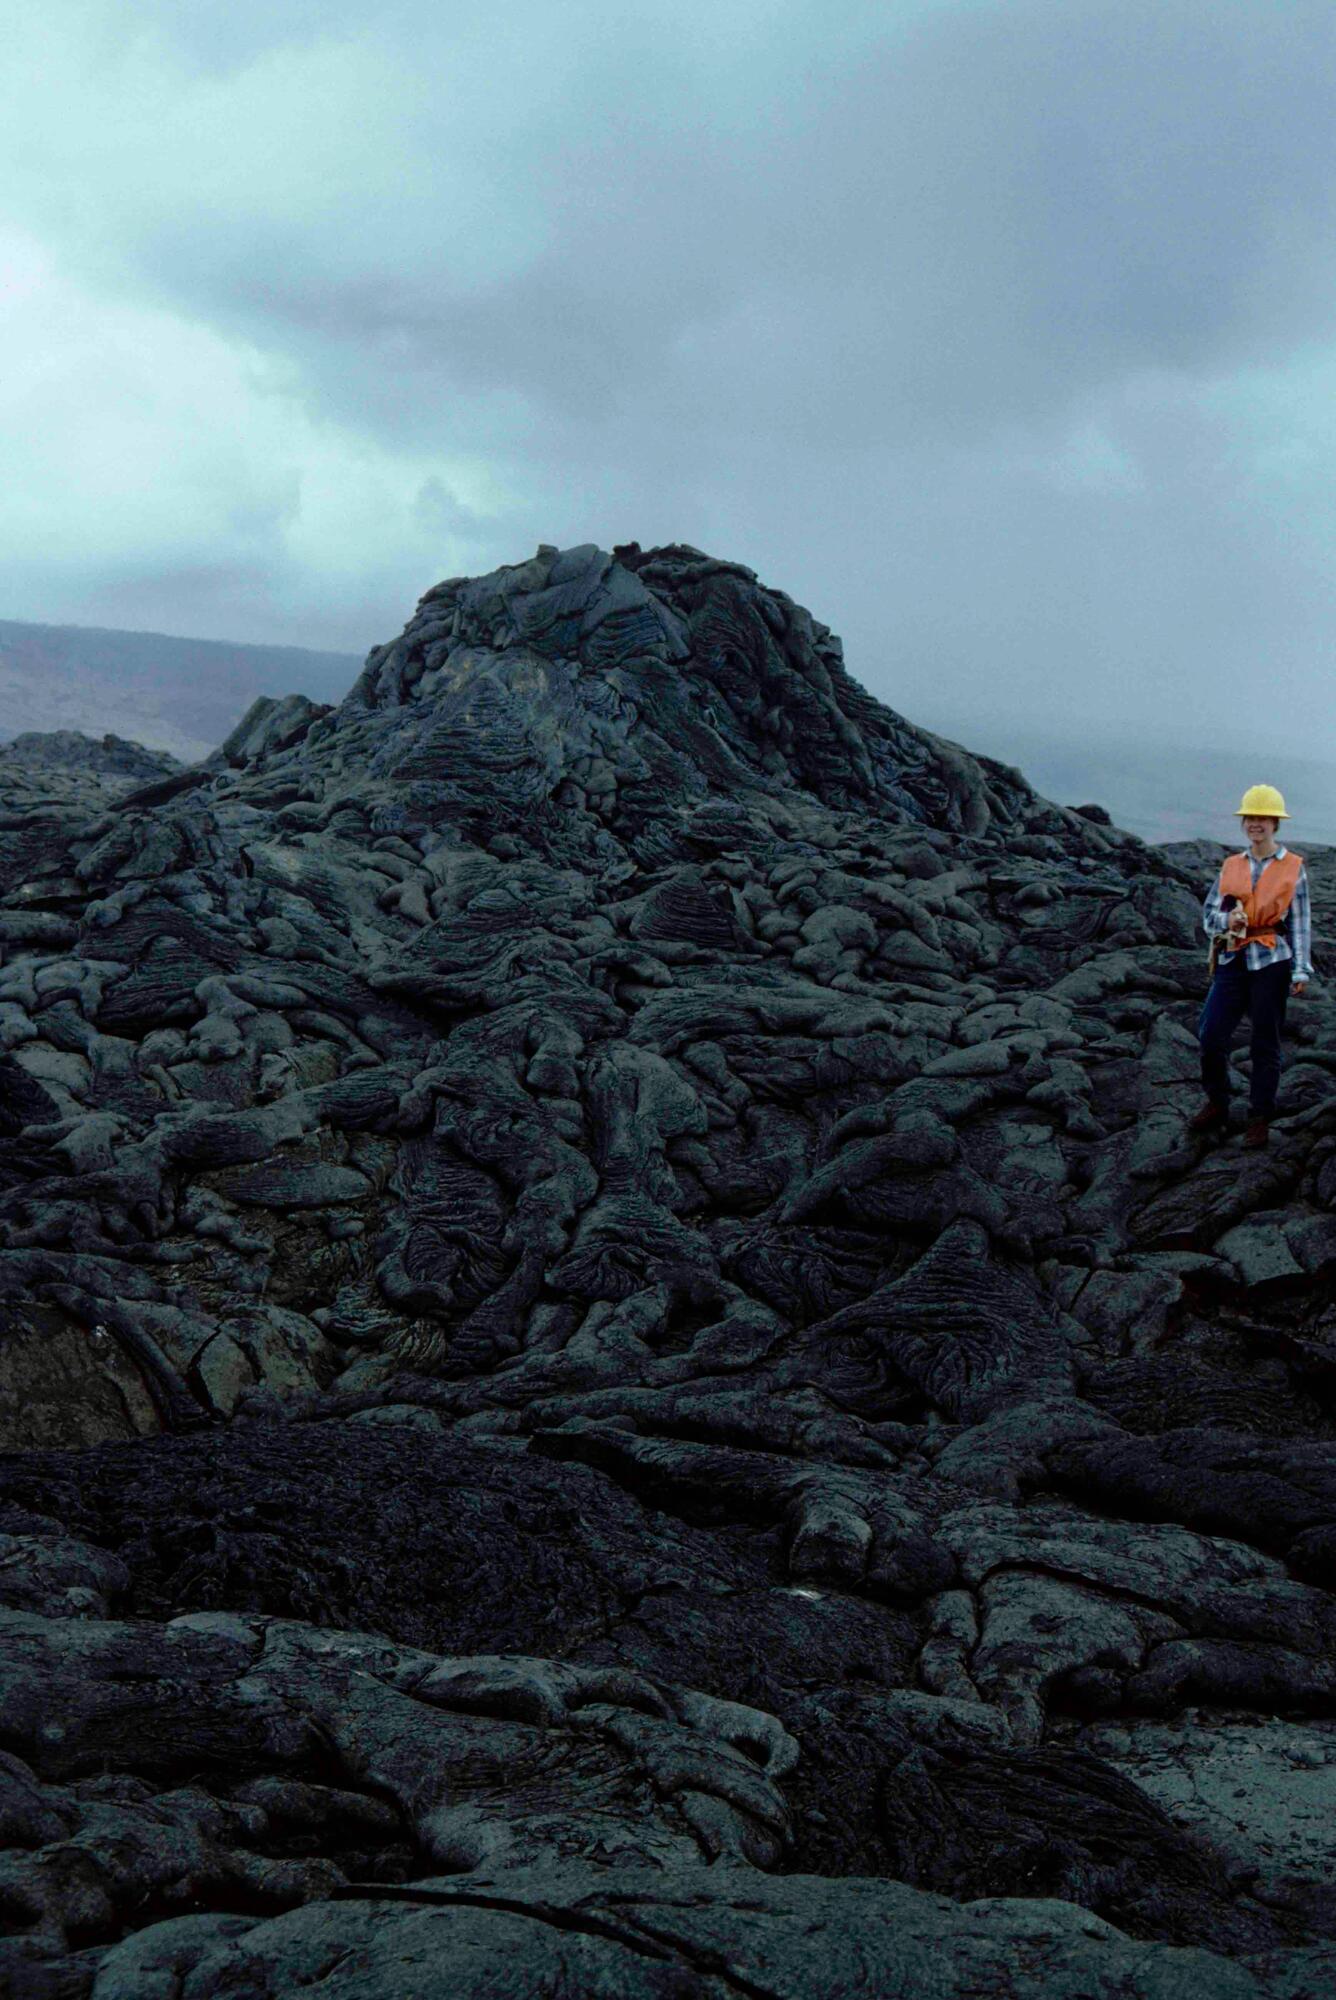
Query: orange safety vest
x=1265, y=906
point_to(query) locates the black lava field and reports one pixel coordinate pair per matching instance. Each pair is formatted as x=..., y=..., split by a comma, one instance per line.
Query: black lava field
x=618, y=1374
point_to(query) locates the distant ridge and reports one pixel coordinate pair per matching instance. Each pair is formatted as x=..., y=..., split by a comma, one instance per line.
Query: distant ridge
x=169, y=693
x=1168, y=789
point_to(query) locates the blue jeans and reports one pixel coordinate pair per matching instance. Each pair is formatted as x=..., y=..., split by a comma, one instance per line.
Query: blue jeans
x=1261, y=995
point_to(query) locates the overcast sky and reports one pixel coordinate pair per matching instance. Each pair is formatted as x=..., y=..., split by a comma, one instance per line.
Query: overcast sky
x=1002, y=333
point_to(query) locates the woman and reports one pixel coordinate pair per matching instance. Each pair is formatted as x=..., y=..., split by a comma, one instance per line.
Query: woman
x=1257, y=915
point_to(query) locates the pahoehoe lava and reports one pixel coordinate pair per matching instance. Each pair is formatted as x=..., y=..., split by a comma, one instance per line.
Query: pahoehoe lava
x=617, y=1373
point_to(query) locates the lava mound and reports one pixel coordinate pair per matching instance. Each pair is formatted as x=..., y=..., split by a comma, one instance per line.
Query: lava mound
x=615, y=1359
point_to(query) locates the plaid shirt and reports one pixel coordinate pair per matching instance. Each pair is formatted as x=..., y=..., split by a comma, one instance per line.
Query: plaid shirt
x=1294, y=934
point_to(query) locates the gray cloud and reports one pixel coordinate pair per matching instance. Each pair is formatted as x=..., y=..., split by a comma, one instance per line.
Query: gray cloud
x=1000, y=333
x=964, y=219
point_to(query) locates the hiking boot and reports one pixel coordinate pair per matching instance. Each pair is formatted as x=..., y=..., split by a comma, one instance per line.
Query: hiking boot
x=1258, y=1133
x=1211, y=1118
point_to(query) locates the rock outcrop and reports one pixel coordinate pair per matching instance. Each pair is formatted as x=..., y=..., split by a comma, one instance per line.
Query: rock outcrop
x=614, y=1356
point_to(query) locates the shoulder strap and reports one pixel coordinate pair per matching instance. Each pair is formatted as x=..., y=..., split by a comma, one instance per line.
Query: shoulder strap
x=1283, y=872
x=1236, y=876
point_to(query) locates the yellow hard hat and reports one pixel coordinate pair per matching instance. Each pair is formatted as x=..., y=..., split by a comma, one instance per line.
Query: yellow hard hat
x=1262, y=802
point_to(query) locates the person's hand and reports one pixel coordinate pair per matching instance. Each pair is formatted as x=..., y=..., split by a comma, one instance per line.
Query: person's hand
x=1299, y=988
x=1238, y=919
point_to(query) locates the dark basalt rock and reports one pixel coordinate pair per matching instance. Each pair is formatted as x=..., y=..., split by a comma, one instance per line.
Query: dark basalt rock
x=109, y=761
x=615, y=1360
